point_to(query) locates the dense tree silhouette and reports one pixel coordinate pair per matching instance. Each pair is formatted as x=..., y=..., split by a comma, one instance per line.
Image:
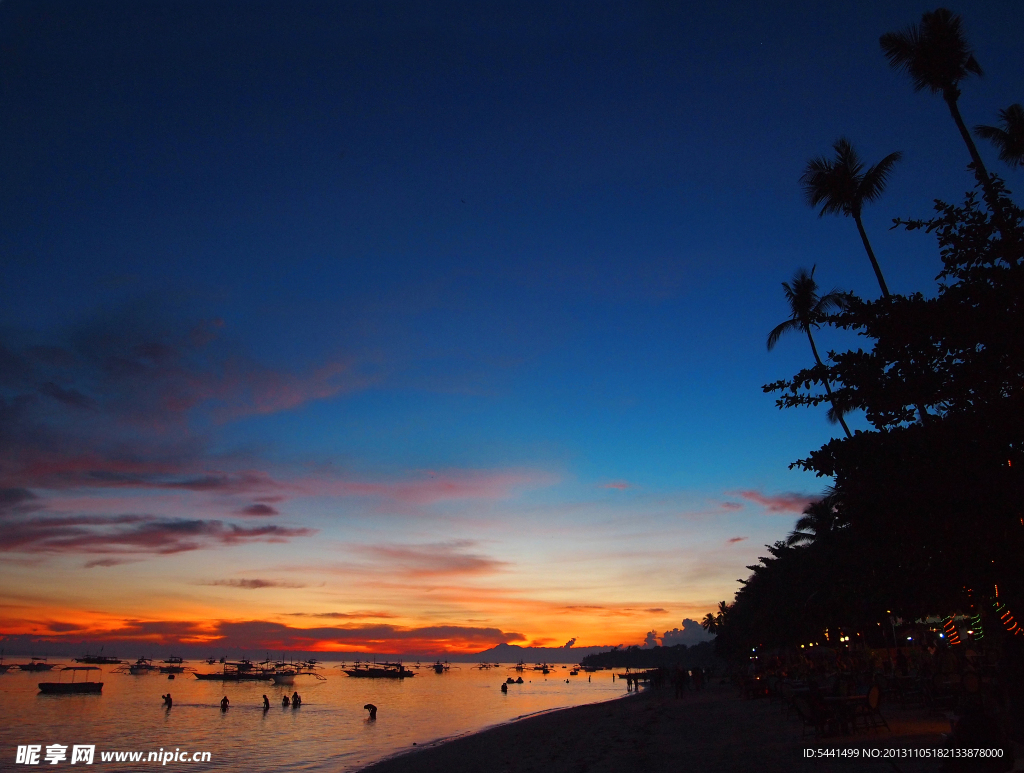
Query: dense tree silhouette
x=808, y=310
x=1010, y=138
x=842, y=186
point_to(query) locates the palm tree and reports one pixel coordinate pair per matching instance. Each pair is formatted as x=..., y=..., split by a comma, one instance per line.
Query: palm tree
x=842, y=186
x=808, y=310
x=819, y=518
x=937, y=57
x=710, y=623
x=1009, y=139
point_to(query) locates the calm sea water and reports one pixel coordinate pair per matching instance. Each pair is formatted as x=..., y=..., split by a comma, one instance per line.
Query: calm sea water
x=329, y=731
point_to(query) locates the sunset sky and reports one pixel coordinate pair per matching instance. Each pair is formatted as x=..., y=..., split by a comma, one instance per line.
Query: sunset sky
x=413, y=326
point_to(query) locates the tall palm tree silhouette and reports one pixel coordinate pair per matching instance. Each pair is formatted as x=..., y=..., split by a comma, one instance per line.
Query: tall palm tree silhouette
x=1009, y=139
x=842, y=185
x=936, y=56
x=808, y=310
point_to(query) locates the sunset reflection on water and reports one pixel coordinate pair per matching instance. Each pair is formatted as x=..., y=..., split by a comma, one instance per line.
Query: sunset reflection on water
x=330, y=731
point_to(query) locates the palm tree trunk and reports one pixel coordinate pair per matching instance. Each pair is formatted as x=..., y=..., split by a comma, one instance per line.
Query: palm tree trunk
x=881, y=283
x=980, y=171
x=871, y=256
x=828, y=389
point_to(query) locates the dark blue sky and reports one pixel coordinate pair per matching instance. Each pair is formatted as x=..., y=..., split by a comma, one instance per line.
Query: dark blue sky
x=374, y=239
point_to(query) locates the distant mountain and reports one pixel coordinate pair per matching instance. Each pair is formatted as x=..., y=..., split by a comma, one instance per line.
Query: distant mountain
x=511, y=653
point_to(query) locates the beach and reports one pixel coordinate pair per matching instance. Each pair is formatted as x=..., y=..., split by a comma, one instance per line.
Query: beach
x=713, y=730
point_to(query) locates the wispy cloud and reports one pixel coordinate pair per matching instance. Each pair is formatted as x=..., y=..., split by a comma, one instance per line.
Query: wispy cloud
x=618, y=485
x=787, y=502
x=429, y=560
x=258, y=509
x=254, y=584
x=733, y=540
x=132, y=534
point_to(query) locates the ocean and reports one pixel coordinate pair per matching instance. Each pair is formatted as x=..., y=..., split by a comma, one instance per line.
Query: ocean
x=330, y=731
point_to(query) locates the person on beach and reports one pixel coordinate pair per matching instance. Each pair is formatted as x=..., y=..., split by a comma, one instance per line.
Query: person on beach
x=224, y=703
x=266, y=703
x=373, y=712
x=167, y=700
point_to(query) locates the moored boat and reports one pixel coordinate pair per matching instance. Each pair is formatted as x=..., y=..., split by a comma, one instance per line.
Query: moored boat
x=172, y=665
x=36, y=664
x=379, y=671
x=72, y=687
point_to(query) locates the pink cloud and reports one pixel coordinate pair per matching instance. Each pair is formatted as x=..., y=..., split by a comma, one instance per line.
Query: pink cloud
x=779, y=503
x=734, y=540
x=731, y=506
x=122, y=535
x=433, y=487
x=618, y=485
x=431, y=560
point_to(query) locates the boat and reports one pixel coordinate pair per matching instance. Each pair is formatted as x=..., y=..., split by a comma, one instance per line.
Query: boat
x=379, y=671
x=141, y=666
x=520, y=666
x=37, y=664
x=285, y=673
x=172, y=665
x=440, y=668
x=72, y=687
x=240, y=670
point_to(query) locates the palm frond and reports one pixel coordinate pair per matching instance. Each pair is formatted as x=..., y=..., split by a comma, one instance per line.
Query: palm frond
x=875, y=179
x=900, y=48
x=835, y=300
x=789, y=326
x=1010, y=139
x=935, y=54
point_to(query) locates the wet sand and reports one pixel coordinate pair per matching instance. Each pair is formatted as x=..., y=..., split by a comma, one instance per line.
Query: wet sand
x=716, y=730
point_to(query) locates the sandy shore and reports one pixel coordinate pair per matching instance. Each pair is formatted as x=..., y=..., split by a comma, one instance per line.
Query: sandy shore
x=716, y=730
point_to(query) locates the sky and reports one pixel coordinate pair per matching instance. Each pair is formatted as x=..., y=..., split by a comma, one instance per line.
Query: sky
x=428, y=326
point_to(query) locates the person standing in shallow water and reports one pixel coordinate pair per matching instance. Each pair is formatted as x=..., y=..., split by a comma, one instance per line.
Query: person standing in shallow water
x=224, y=703
x=266, y=703
x=167, y=700
x=285, y=702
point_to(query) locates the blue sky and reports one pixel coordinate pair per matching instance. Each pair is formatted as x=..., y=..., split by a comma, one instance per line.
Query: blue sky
x=481, y=293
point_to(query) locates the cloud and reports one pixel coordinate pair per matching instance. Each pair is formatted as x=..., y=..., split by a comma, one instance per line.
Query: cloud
x=650, y=641
x=107, y=562
x=430, y=560
x=258, y=509
x=132, y=534
x=17, y=500
x=431, y=487
x=343, y=615
x=690, y=634
x=136, y=394
x=733, y=540
x=569, y=643
x=779, y=503
x=618, y=485
x=254, y=584
x=731, y=506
